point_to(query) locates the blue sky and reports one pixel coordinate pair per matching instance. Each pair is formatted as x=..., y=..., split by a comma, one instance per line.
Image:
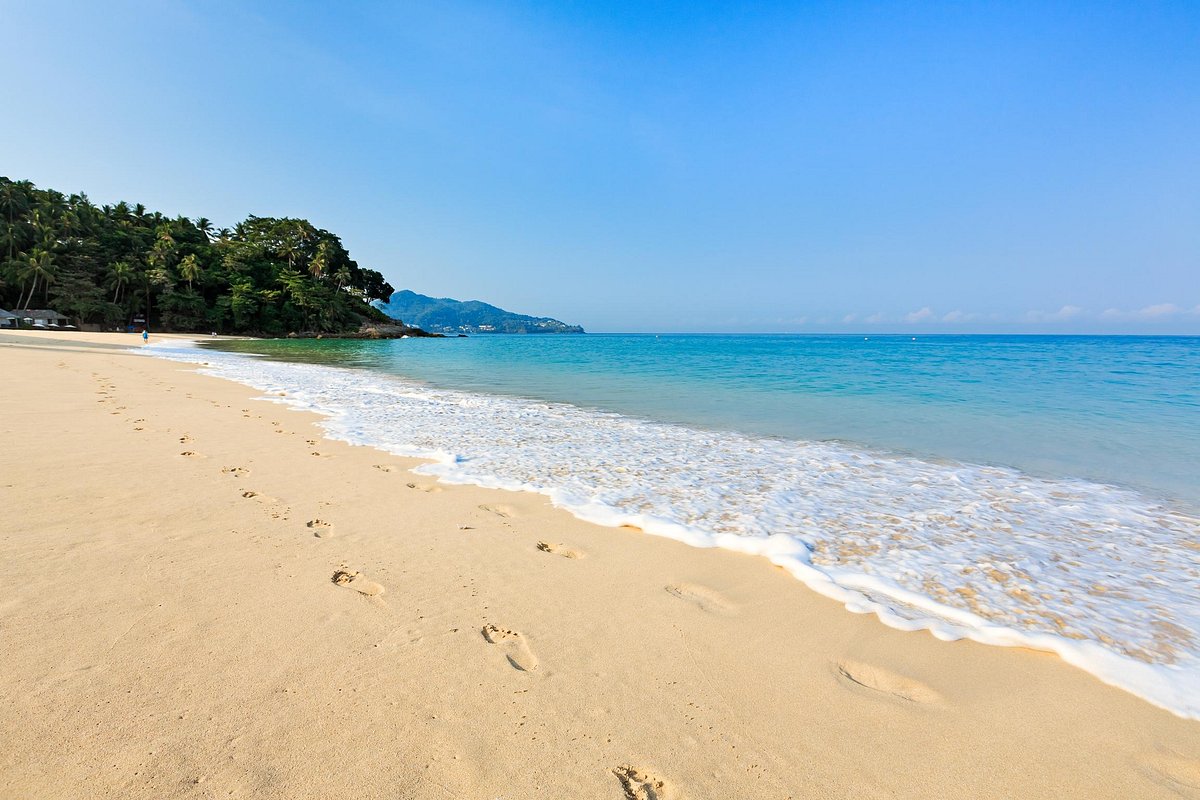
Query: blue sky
x=812, y=166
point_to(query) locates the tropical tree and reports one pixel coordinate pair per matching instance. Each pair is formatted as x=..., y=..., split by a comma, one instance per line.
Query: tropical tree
x=12, y=202
x=342, y=276
x=189, y=268
x=320, y=261
x=265, y=275
x=11, y=237
x=121, y=272
x=40, y=267
x=289, y=248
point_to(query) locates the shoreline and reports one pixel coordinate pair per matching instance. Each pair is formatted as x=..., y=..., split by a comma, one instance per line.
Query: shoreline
x=301, y=385
x=176, y=626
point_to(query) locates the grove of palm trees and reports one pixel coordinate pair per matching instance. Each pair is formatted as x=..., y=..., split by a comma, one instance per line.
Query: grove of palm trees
x=107, y=265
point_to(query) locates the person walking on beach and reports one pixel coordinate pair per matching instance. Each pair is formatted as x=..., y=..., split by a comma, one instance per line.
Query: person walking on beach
x=145, y=335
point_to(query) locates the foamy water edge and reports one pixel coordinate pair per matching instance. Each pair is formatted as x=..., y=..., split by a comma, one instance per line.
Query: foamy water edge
x=1172, y=686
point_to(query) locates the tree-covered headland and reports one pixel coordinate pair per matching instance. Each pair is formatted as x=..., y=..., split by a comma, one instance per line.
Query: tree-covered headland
x=109, y=265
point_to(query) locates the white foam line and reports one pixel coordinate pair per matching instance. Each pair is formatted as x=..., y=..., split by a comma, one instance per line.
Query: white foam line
x=1173, y=687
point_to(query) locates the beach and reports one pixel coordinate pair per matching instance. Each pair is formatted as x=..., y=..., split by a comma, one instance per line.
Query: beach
x=204, y=597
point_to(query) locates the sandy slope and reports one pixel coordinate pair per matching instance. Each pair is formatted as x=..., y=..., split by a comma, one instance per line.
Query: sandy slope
x=201, y=597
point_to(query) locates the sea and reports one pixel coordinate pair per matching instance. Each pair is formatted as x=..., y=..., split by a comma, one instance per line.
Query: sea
x=1036, y=491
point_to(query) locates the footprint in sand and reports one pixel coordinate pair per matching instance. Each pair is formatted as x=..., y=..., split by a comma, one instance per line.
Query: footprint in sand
x=703, y=597
x=385, y=468
x=190, y=454
x=424, y=487
x=1172, y=771
x=185, y=439
x=559, y=550
x=353, y=579
x=641, y=785
x=236, y=472
x=262, y=498
x=856, y=675
x=320, y=528
x=499, y=511
x=513, y=645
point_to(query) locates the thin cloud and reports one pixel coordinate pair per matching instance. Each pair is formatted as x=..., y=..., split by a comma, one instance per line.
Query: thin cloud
x=1160, y=310
x=924, y=315
x=959, y=316
x=1063, y=314
x=1155, y=312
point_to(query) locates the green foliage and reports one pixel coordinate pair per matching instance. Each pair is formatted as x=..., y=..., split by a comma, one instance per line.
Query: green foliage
x=104, y=265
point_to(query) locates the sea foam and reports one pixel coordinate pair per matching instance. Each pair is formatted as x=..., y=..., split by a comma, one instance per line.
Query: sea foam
x=1107, y=578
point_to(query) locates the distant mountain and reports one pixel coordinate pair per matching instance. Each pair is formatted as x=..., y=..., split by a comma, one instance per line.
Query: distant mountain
x=445, y=315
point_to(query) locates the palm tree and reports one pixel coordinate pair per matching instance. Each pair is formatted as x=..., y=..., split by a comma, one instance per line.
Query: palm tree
x=205, y=226
x=342, y=276
x=12, y=201
x=316, y=267
x=84, y=210
x=163, y=249
x=11, y=237
x=121, y=273
x=159, y=259
x=122, y=214
x=189, y=268
x=289, y=248
x=38, y=268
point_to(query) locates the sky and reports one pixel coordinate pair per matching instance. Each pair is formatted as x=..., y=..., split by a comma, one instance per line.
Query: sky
x=693, y=166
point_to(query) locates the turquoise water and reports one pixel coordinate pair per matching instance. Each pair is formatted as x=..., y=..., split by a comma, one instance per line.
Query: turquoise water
x=1115, y=409
x=1032, y=491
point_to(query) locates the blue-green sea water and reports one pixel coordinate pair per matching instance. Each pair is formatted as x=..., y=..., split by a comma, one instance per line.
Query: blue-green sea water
x=1123, y=410
x=1017, y=490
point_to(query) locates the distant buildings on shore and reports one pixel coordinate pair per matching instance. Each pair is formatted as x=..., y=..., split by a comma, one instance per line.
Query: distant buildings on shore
x=34, y=318
x=540, y=326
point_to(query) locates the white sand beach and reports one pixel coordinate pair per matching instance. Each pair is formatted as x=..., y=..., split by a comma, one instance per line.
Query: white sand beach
x=204, y=598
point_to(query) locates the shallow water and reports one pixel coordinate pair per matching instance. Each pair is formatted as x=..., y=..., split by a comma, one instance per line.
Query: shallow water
x=1115, y=409
x=1016, y=490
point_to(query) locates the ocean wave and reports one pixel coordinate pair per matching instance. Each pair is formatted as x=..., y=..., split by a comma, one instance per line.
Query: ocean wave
x=1107, y=578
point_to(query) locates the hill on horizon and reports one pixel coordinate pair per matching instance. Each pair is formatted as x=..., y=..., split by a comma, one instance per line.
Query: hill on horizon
x=447, y=315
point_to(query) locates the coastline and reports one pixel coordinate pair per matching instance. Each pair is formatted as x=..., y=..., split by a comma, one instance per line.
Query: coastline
x=174, y=628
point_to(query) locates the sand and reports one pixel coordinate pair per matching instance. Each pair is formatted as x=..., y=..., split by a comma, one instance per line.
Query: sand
x=202, y=597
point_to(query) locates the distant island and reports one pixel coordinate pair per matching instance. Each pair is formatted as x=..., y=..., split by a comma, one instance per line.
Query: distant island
x=122, y=266
x=446, y=315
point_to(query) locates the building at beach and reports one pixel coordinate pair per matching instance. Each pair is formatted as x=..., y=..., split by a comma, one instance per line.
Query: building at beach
x=42, y=318
x=8, y=319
